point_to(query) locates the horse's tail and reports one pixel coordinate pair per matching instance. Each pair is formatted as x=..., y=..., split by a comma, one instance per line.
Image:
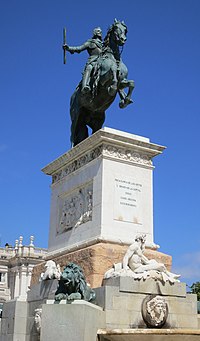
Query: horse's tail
x=74, y=112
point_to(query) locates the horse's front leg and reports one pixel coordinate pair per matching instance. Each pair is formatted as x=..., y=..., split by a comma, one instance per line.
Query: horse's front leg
x=112, y=89
x=125, y=98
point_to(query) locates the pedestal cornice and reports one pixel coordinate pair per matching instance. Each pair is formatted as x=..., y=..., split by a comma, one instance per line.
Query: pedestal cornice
x=106, y=143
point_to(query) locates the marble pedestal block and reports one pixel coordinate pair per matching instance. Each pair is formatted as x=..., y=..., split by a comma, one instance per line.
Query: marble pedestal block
x=122, y=299
x=14, y=321
x=78, y=321
x=102, y=191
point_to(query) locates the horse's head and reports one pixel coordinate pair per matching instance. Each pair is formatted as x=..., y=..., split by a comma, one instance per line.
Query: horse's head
x=118, y=31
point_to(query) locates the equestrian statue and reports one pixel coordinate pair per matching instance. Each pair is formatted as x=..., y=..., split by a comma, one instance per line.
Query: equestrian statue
x=104, y=76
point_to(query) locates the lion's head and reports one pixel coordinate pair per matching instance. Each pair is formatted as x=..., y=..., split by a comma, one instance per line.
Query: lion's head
x=73, y=281
x=73, y=278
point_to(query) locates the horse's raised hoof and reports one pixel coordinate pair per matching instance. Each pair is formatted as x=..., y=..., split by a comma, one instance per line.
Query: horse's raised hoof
x=128, y=101
x=121, y=104
x=124, y=102
x=85, y=90
x=112, y=90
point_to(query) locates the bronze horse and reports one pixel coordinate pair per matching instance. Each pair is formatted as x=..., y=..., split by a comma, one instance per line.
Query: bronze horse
x=108, y=77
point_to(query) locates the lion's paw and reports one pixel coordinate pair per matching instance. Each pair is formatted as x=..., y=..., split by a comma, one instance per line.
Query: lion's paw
x=60, y=297
x=74, y=296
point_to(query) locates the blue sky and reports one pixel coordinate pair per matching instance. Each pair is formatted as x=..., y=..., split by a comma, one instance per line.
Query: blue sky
x=162, y=54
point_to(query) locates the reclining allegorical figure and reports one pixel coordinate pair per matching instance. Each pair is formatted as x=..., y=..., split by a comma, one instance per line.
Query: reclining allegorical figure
x=135, y=264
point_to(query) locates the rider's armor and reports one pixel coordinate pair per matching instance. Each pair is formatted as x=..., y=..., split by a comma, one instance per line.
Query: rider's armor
x=94, y=48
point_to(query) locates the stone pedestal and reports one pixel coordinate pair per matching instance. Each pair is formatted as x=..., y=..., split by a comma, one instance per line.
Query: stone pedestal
x=102, y=191
x=78, y=321
x=122, y=299
x=102, y=197
x=117, y=314
x=96, y=259
x=14, y=321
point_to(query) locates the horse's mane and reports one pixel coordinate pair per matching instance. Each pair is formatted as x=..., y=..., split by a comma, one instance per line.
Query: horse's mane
x=107, y=37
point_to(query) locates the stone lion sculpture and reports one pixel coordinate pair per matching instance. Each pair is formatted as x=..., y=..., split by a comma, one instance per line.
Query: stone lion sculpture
x=72, y=285
x=52, y=271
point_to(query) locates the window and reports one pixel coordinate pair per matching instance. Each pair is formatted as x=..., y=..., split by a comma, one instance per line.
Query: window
x=2, y=277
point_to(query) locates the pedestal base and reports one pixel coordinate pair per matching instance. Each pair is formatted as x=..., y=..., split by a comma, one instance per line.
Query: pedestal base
x=102, y=190
x=78, y=321
x=95, y=260
x=125, y=303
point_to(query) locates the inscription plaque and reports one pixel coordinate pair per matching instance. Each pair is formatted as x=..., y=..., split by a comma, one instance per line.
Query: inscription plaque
x=127, y=200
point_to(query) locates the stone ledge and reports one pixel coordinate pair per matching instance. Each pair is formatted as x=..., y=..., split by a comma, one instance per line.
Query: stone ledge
x=148, y=335
x=148, y=331
x=102, y=143
x=149, y=286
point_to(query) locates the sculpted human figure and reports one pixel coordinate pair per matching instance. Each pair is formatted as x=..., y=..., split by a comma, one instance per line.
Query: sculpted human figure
x=136, y=265
x=104, y=76
x=94, y=49
x=37, y=319
x=135, y=260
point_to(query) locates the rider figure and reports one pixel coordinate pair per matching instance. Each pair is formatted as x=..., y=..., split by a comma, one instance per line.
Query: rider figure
x=94, y=48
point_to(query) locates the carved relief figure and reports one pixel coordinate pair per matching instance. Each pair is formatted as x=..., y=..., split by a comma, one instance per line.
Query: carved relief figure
x=154, y=311
x=76, y=209
x=89, y=200
x=37, y=319
x=157, y=309
x=65, y=216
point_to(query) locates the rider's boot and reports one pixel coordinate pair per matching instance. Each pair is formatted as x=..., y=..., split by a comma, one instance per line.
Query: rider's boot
x=85, y=82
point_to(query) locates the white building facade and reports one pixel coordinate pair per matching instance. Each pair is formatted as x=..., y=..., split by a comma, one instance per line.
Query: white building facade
x=16, y=265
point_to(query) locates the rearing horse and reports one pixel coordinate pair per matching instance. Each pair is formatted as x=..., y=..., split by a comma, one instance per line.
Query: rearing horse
x=108, y=77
